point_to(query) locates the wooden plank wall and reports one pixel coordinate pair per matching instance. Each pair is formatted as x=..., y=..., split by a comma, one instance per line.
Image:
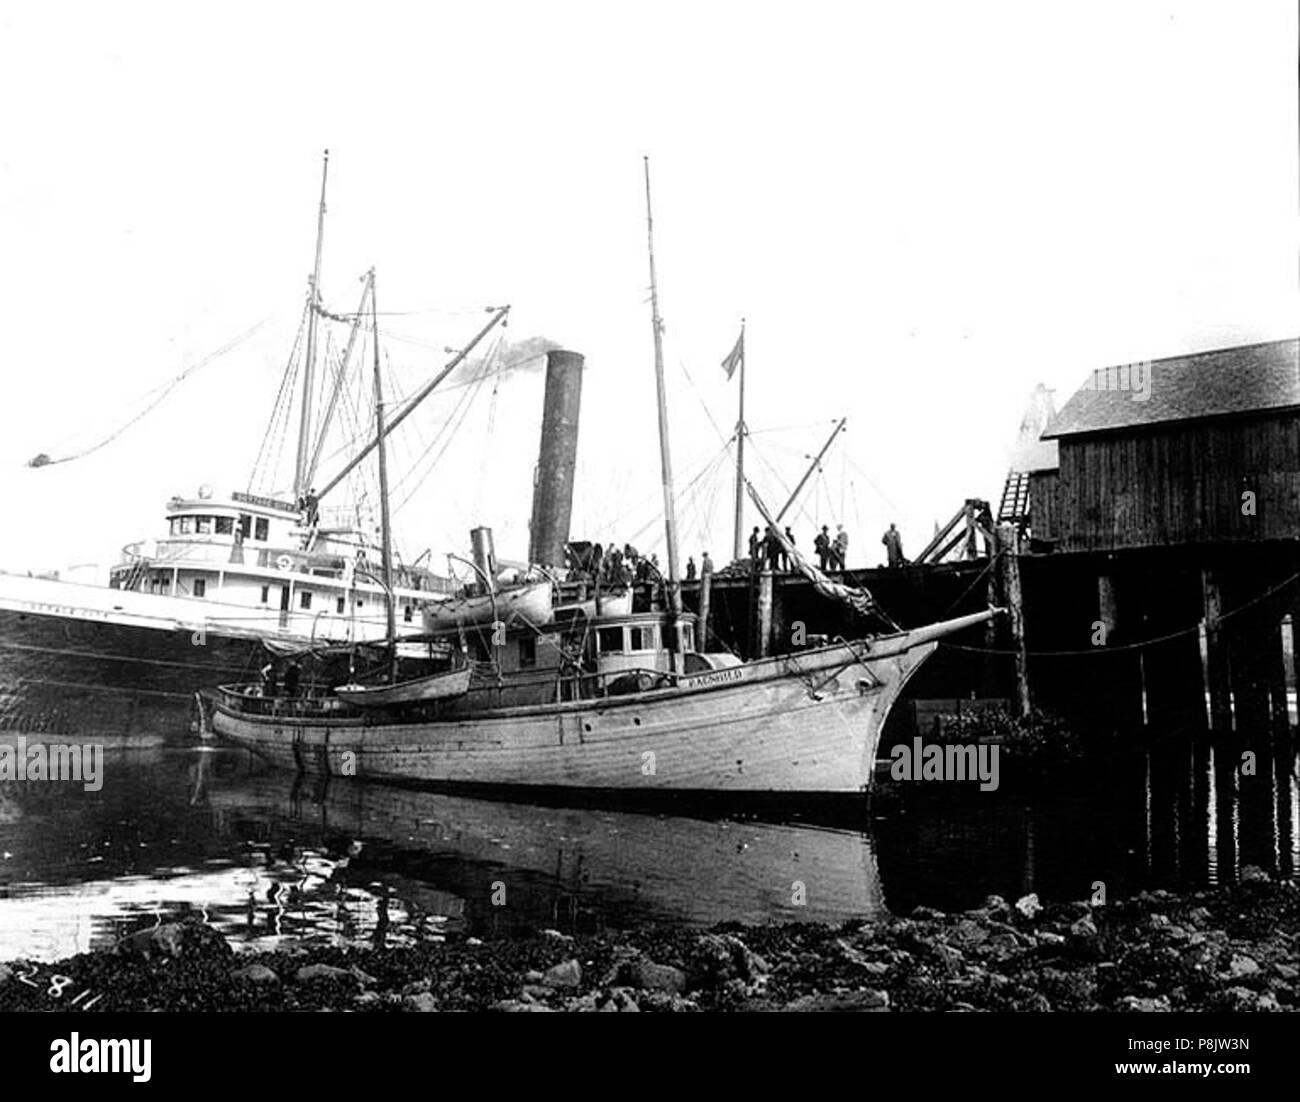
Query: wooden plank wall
x=1044, y=505
x=1172, y=484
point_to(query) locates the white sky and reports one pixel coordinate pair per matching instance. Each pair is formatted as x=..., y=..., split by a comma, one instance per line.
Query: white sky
x=922, y=210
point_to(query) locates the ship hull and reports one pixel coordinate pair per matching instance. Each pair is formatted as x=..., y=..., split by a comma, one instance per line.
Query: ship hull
x=805, y=723
x=62, y=676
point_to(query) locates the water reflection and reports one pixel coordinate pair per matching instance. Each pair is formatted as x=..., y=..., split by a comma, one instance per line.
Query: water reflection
x=273, y=861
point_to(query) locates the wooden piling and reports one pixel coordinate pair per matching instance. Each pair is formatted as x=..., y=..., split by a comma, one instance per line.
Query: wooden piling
x=706, y=601
x=1009, y=567
x=1217, y=667
x=763, y=620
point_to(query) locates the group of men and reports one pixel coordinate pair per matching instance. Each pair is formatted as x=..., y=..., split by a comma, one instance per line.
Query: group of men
x=616, y=566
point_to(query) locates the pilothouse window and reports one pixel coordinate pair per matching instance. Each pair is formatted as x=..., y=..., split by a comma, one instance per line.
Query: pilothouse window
x=611, y=640
x=262, y=525
x=225, y=526
x=203, y=526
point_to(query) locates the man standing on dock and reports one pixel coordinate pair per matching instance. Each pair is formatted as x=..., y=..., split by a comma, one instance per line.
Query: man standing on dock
x=893, y=542
x=841, y=546
x=822, y=545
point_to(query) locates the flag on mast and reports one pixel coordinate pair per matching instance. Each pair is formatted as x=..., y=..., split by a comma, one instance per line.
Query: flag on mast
x=736, y=356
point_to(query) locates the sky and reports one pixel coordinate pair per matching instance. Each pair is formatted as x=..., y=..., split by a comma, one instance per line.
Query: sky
x=921, y=211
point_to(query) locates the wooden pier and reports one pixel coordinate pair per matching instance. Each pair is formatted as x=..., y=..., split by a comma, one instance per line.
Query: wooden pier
x=1150, y=560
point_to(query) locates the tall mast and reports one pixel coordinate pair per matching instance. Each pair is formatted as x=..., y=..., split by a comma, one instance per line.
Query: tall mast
x=740, y=455
x=670, y=519
x=384, y=520
x=309, y=365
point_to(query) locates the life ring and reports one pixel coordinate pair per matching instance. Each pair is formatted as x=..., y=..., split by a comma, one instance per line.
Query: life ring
x=284, y=562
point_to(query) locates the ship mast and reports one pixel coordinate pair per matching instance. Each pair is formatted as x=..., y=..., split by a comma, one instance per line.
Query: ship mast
x=384, y=518
x=666, y=466
x=740, y=454
x=309, y=360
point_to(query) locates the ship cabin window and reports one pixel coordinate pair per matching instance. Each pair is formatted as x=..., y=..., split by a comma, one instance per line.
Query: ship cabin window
x=200, y=587
x=262, y=526
x=266, y=593
x=643, y=638
x=687, y=637
x=478, y=649
x=225, y=526
x=338, y=605
x=527, y=652
x=203, y=525
x=304, y=599
x=408, y=613
x=245, y=525
x=187, y=526
x=610, y=640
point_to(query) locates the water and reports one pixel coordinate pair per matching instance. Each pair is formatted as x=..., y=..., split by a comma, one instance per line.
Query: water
x=274, y=861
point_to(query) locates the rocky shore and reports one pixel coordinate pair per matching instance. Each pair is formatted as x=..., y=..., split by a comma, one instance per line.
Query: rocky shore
x=1234, y=949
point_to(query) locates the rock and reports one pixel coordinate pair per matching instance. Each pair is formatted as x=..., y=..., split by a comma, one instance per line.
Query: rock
x=566, y=974
x=258, y=974
x=588, y=1004
x=516, y=1006
x=946, y=957
x=670, y=1004
x=1028, y=905
x=1253, y=874
x=1157, y=921
x=622, y=1001
x=995, y=905
x=172, y=939
x=1288, y=972
x=1085, y=928
x=363, y=978
x=534, y=976
x=555, y=935
x=423, y=1003
x=309, y=973
x=1241, y=965
x=1199, y=917
x=856, y=1001
x=420, y=987
x=656, y=977
x=721, y=957
x=928, y=914
x=368, y=998
x=1046, y=937
x=1241, y=998
x=538, y=990
x=1145, y=1006
x=1267, y=1003
x=473, y=942
x=6, y=973
x=968, y=932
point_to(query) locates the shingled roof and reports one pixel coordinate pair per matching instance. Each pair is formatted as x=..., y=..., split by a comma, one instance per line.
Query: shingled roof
x=1226, y=382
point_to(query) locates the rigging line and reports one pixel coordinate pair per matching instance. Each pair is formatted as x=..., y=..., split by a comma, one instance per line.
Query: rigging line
x=44, y=460
x=884, y=496
x=650, y=497
x=287, y=379
x=654, y=520
x=457, y=414
x=704, y=405
x=1142, y=644
x=464, y=408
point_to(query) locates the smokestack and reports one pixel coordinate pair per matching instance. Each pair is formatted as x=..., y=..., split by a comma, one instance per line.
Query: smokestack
x=485, y=556
x=553, y=486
